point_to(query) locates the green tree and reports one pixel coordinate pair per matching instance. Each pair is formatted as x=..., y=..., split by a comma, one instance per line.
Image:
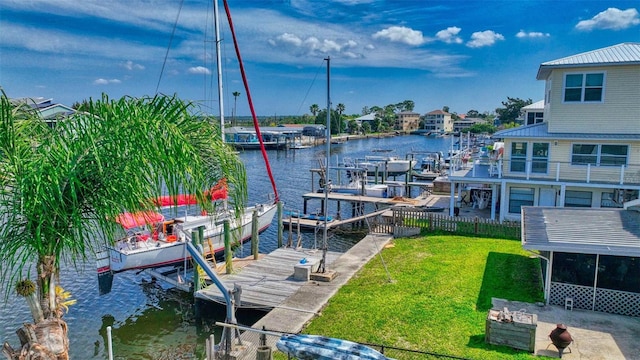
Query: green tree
x=366, y=127
x=340, y=108
x=511, y=110
x=445, y=109
x=407, y=105
x=60, y=189
x=314, y=109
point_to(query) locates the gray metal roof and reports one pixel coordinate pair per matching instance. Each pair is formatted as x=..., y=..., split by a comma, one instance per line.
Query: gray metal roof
x=541, y=130
x=621, y=54
x=581, y=230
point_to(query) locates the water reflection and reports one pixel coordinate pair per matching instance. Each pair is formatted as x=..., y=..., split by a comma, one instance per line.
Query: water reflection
x=151, y=320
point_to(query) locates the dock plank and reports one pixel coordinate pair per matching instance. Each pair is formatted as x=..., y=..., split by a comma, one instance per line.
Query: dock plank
x=267, y=282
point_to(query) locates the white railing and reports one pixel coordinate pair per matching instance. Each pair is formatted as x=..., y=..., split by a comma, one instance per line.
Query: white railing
x=557, y=171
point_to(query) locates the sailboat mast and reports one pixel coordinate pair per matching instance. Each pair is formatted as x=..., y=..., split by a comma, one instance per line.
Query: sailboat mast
x=326, y=186
x=216, y=21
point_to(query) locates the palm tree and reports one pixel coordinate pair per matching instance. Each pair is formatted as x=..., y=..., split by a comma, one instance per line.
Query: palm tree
x=340, y=108
x=314, y=109
x=235, y=100
x=61, y=187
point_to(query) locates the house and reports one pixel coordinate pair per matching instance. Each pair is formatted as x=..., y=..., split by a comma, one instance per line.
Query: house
x=50, y=112
x=534, y=113
x=438, y=121
x=586, y=151
x=407, y=121
x=465, y=123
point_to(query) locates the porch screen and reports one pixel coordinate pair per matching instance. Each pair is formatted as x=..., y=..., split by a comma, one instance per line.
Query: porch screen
x=576, y=269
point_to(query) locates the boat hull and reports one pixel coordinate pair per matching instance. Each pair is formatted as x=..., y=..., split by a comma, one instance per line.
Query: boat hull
x=136, y=253
x=322, y=348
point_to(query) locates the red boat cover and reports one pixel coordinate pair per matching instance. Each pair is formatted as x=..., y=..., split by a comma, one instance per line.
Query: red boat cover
x=217, y=192
x=130, y=220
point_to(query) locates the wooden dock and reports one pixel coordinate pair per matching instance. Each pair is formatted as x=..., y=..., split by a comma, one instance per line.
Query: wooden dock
x=267, y=282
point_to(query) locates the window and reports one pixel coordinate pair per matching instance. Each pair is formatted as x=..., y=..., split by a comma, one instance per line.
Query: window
x=540, y=158
x=600, y=155
x=534, y=117
x=518, y=156
x=519, y=197
x=574, y=198
x=584, y=87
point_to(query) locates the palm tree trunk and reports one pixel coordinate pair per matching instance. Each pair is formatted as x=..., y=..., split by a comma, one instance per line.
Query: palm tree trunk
x=46, y=340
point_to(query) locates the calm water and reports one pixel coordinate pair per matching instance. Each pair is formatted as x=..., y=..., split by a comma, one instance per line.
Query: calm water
x=153, y=321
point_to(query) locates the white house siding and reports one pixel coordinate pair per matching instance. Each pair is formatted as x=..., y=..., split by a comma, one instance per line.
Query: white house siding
x=596, y=196
x=560, y=162
x=618, y=114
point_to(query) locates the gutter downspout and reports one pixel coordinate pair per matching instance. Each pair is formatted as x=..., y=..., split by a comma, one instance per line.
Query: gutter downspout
x=547, y=280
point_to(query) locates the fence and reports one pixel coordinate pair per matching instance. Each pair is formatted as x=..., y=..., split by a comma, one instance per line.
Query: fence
x=434, y=222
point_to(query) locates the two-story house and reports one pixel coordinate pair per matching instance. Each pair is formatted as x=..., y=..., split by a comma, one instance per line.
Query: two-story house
x=438, y=122
x=585, y=152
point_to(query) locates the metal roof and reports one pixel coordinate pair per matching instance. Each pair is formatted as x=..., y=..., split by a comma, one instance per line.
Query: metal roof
x=581, y=230
x=538, y=105
x=621, y=54
x=541, y=130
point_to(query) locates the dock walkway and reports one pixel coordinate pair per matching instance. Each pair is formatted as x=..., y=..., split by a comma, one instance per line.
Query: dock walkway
x=267, y=282
x=307, y=302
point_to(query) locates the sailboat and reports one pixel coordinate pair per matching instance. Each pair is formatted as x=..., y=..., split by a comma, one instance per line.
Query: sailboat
x=151, y=241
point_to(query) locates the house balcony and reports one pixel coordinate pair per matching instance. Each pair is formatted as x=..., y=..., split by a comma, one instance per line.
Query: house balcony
x=493, y=171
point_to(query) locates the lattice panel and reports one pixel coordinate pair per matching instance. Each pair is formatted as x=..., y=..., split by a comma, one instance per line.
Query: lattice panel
x=617, y=302
x=582, y=295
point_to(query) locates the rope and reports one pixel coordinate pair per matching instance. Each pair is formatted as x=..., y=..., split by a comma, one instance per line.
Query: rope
x=173, y=32
x=253, y=112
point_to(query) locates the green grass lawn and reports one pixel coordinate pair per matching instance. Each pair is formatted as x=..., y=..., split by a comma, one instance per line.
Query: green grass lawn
x=435, y=297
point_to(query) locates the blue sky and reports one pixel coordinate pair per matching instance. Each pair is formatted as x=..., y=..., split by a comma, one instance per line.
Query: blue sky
x=462, y=54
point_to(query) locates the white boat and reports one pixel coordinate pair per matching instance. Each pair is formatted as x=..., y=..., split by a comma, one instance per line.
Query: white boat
x=389, y=165
x=431, y=166
x=164, y=244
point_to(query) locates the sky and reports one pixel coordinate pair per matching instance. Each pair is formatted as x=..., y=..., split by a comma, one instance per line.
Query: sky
x=466, y=55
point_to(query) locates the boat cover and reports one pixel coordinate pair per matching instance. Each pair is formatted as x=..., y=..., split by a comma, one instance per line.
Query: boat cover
x=218, y=192
x=130, y=220
x=323, y=348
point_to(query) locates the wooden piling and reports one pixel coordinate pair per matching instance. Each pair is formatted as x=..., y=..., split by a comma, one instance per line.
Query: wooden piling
x=279, y=224
x=255, y=237
x=228, y=257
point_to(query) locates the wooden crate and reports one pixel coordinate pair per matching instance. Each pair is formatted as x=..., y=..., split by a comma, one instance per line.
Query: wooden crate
x=514, y=329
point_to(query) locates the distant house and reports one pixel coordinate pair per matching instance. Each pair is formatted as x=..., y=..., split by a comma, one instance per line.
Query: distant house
x=50, y=112
x=438, y=121
x=466, y=122
x=370, y=118
x=533, y=114
x=407, y=121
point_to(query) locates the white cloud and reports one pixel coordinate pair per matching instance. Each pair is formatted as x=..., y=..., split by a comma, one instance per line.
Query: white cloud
x=484, y=38
x=401, y=34
x=130, y=65
x=450, y=35
x=102, y=81
x=313, y=45
x=199, y=70
x=532, y=34
x=611, y=19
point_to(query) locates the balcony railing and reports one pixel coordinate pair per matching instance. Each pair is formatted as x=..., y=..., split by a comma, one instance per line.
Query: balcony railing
x=550, y=171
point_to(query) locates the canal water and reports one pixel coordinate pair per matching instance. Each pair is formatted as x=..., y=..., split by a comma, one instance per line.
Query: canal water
x=154, y=321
